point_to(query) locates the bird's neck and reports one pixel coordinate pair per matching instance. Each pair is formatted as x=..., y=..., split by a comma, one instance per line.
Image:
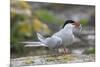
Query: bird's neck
x=68, y=28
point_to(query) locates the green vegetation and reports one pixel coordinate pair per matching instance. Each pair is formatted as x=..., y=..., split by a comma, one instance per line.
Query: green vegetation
x=84, y=22
x=92, y=50
x=20, y=29
x=45, y=15
x=16, y=35
x=48, y=16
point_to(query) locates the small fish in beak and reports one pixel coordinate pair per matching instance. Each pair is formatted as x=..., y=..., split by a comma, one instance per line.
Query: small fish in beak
x=78, y=28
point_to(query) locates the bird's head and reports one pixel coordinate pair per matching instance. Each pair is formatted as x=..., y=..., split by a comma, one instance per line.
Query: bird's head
x=73, y=23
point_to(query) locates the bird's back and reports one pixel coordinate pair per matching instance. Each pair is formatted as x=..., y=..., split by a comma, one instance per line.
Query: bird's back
x=66, y=36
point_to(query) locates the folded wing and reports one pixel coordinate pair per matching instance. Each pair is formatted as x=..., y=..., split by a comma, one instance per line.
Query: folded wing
x=51, y=42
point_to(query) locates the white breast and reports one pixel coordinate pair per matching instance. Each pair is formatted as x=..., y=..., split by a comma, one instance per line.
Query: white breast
x=66, y=36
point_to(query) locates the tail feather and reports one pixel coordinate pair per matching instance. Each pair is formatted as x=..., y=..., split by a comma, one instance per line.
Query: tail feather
x=40, y=37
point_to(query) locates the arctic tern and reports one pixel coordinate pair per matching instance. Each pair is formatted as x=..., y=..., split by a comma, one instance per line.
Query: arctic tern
x=62, y=38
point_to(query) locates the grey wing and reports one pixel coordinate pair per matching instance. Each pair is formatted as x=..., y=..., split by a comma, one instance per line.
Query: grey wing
x=53, y=42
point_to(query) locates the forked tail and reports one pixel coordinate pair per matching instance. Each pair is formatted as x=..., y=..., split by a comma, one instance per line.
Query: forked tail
x=40, y=37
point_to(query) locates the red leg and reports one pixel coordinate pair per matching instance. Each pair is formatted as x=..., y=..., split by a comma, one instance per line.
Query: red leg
x=65, y=51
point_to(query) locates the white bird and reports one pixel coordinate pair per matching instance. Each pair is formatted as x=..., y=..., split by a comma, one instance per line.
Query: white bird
x=62, y=38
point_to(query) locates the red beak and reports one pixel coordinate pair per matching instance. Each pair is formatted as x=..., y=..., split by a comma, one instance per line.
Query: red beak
x=77, y=24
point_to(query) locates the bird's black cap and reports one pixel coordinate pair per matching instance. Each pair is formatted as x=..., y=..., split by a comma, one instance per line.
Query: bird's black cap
x=68, y=21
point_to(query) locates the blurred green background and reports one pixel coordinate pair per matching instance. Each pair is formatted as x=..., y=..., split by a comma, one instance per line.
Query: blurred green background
x=27, y=18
